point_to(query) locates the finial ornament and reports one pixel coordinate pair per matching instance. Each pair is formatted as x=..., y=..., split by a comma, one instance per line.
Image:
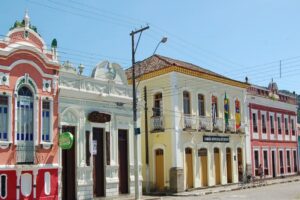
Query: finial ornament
x=26, y=19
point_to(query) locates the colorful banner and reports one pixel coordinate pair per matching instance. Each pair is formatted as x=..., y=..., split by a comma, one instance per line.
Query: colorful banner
x=214, y=110
x=237, y=115
x=226, y=111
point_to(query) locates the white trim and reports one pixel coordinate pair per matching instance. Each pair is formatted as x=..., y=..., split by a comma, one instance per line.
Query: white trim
x=253, y=161
x=268, y=160
x=254, y=134
x=33, y=64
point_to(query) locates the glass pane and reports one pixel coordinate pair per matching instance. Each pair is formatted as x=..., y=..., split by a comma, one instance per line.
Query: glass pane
x=3, y=186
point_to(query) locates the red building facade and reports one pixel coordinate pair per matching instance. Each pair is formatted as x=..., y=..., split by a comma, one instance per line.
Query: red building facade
x=273, y=131
x=28, y=115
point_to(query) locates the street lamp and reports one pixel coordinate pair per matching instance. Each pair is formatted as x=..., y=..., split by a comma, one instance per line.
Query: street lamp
x=163, y=40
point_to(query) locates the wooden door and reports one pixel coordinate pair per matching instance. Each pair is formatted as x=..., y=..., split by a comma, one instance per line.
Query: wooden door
x=123, y=161
x=228, y=164
x=98, y=159
x=159, y=169
x=68, y=168
x=202, y=153
x=240, y=164
x=189, y=168
x=217, y=166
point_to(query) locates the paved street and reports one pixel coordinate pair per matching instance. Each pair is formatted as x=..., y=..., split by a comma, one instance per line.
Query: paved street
x=286, y=191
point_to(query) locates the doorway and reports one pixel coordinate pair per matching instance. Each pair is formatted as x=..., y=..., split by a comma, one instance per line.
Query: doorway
x=273, y=164
x=217, y=166
x=240, y=163
x=98, y=158
x=159, y=169
x=68, y=168
x=228, y=163
x=123, y=161
x=189, y=168
x=202, y=153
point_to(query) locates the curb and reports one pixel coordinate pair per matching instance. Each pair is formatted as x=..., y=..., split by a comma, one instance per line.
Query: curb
x=235, y=188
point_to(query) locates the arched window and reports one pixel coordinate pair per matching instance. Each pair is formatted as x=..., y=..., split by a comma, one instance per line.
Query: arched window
x=186, y=103
x=157, y=108
x=25, y=114
x=201, y=105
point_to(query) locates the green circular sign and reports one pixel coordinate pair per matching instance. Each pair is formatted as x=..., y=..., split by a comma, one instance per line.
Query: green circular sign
x=66, y=140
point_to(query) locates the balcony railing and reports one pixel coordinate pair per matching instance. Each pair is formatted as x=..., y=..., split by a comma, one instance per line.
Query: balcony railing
x=189, y=121
x=205, y=123
x=157, y=124
x=25, y=153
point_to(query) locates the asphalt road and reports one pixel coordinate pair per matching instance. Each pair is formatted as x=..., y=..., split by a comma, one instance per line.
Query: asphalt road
x=285, y=191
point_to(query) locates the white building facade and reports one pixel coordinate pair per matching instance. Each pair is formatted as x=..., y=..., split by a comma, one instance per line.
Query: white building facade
x=97, y=110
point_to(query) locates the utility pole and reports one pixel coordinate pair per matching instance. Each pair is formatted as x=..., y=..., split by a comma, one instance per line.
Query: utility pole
x=146, y=142
x=135, y=130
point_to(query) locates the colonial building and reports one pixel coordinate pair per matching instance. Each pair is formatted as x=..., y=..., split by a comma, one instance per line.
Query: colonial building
x=195, y=121
x=28, y=115
x=97, y=110
x=273, y=131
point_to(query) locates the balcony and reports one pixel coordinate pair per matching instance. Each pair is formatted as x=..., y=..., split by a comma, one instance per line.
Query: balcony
x=25, y=153
x=189, y=122
x=205, y=123
x=157, y=124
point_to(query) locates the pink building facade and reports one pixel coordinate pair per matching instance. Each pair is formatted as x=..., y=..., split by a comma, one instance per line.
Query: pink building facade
x=28, y=115
x=273, y=131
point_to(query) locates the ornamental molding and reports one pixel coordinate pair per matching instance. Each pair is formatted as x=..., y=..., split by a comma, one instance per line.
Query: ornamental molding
x=4, y=79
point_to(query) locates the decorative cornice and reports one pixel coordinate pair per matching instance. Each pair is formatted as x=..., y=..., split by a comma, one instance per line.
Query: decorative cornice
x=190, y=72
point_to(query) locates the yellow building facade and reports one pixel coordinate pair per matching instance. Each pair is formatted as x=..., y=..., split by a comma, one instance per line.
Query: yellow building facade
x=190, y=143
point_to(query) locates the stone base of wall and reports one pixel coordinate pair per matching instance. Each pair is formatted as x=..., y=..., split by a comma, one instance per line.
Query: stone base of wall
x=176, y=179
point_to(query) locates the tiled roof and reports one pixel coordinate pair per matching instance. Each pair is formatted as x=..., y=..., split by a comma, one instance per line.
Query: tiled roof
x=157, y=62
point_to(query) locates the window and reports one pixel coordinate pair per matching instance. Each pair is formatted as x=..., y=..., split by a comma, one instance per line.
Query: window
x=157, y=109
x=186, y=103
x=293, y=127
x=3, y=118
x=295, y=161
x=25, y=115
x=272, y=124
x=201, y=105
x=288, y=160
x=281, y=162
x=256, y=162
x=46, y=121
x=266, y=163
x=87, y=148
x=279, y=125
x=263, y=122
x=254, y=122
x=3, y=186
x=107, y=148
x=286, y=126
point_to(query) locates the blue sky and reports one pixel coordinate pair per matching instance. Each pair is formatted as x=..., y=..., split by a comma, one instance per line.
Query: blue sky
x=234, y=38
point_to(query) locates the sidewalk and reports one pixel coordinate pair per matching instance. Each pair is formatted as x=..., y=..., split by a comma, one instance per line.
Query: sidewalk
x=210, y=190
x=233, y=187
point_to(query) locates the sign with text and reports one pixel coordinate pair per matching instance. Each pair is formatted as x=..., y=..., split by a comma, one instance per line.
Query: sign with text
x=207, y=138
x=98, y=117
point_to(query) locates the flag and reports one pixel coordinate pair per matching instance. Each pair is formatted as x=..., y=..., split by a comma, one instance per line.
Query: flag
x=237, y=115
x=214, y=110
x=226, y=111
